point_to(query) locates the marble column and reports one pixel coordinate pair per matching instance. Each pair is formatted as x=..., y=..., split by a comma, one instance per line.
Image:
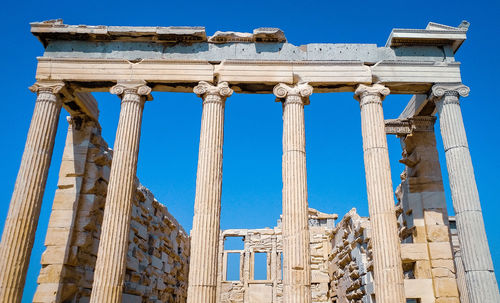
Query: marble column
x=296, y=253
x=22, y=219
x=388, y=271
x=206, y=221
x=479, y=273
x=111, y=257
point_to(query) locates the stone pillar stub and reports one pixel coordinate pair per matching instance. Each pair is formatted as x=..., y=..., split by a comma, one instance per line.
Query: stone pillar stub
x=296, y=252
x=111, y=257
x=206, y=221
x=388, y=272
x=479, y=272
x=25, y=205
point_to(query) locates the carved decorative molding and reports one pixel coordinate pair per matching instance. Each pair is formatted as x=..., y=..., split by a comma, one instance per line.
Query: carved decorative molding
x=403, y=127
x=397, y=127
x=422, y=123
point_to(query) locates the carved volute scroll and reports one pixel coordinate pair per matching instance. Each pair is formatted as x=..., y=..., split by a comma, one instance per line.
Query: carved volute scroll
x=213, y=93
x=136, y=88
x=375, y=93
x=297, y=93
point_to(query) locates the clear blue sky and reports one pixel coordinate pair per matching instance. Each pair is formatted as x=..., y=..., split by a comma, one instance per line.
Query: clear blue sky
x=251, y=196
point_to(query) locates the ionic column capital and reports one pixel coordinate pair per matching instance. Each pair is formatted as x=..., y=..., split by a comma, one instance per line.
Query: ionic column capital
x=221, y=90
x=47, y=86
x=138, y=88
x=378, y=91
x=302, y=90
x=438, y=91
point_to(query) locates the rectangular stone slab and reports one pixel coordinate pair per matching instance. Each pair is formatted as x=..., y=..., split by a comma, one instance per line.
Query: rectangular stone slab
x=417, y=72
x=95, y=70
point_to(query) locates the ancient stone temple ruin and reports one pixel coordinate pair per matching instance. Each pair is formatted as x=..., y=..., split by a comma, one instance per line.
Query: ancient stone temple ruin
x=110, y=240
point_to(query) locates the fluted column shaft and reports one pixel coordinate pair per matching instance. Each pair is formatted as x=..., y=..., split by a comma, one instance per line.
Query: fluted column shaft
x=296, y=252
x=22, y=219
x=111, y=257
x=479, y=272
x=206, y=221
x=388, y=272
x=460, y=274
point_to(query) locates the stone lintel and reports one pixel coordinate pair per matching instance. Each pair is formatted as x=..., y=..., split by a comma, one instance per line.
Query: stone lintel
x=419, y=105
x=101, y=74
x=249, y=76
x=82, y=103
x=407, y=73
x=414, y=106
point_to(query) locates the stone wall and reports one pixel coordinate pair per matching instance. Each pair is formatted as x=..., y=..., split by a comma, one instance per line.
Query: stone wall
x=269, y=241
x=426, y=241
x=426, y=246
x=350, y=262
x=158, y=255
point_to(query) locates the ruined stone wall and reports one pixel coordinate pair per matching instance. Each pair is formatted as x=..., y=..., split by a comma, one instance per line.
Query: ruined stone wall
x=426, y=241
x=427, y=265
x=157, y=259
x=426, y=247
x=350, y=261
x=270, y=241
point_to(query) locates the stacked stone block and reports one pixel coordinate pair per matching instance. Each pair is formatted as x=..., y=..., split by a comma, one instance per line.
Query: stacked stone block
x=320, y=248
x=157, y=258
x=351, y=260
x=81, y=188
x=270, y=241
x=426, y=250
x=158, y=251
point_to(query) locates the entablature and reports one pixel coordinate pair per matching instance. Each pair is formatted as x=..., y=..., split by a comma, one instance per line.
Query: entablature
x=93, y=58
x=249, y=76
